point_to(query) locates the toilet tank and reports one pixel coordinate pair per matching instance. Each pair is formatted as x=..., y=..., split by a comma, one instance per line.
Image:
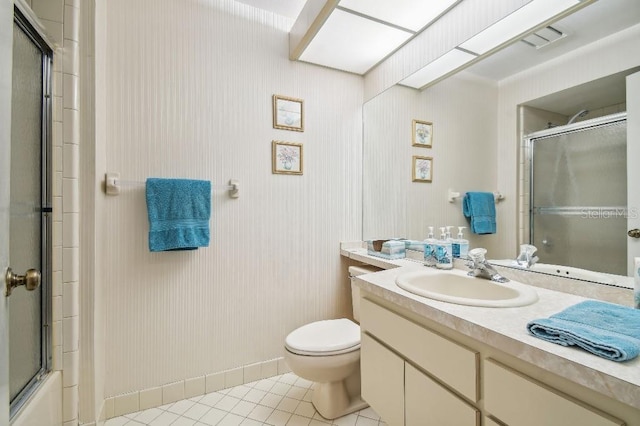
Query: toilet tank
x=354, y=271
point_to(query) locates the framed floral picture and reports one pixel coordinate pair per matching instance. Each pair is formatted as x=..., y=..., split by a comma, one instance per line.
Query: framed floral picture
x=422, y=133
x=286, y=158
x=422, y=169
x=288, y=113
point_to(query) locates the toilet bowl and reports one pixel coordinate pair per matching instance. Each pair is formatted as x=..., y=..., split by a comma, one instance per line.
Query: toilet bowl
x=328, y=353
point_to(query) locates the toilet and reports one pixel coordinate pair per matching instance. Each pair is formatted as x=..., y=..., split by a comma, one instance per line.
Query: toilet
x=328, y=353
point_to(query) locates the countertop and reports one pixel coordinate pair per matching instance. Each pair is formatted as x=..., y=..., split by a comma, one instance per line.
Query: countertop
x=505, y=329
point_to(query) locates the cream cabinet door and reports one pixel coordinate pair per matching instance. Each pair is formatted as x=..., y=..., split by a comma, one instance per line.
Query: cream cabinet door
x=428, y=403
x=519, y=400
x=382, y=380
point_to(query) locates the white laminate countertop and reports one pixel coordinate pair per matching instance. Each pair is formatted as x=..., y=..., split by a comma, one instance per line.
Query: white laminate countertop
x=505, y=329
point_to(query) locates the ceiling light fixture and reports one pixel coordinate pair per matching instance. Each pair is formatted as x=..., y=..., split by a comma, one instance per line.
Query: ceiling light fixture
x=516, y=24
x=355, y=35
x=439, y=68
x=536, y=14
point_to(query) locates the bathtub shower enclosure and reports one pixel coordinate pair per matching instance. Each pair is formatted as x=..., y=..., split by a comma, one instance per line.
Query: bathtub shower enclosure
x=29, y=221
x=578, y=194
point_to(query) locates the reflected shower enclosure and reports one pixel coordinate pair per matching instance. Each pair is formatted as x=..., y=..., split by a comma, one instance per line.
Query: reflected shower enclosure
x=578, y=194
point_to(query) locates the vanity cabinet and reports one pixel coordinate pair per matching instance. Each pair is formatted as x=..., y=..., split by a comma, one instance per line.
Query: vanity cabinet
x=413, y=376
x=427, y=402
x=393, y=381
x=516, y=399
x=382, y=382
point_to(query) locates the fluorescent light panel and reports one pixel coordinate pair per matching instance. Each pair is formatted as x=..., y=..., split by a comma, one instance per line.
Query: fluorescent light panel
x=351, y=43
x=411, y=14
x=438, y=68
x=513, y=25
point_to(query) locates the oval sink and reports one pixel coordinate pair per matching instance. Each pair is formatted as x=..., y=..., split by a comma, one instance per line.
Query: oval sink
x=456, y=286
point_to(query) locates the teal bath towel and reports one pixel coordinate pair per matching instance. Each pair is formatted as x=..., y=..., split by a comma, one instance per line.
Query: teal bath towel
x=179, y=212
x=480, y=208
x=604, y=329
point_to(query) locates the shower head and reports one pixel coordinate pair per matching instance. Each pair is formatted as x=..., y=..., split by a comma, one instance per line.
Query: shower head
x=580, y=114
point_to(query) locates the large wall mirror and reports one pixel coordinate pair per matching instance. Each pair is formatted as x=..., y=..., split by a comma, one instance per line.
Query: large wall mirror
x=479, y=119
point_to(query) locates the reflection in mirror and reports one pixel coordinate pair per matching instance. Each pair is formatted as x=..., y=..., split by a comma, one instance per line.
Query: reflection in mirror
x=480, y=117
x=579, y=194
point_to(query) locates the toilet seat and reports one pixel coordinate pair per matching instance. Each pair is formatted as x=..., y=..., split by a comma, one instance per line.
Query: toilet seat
x=323, y=338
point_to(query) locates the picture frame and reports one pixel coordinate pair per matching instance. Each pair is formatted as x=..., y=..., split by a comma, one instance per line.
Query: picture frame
x=422, y=170
x=422, y=134
x=286, y=158
x=288, y=113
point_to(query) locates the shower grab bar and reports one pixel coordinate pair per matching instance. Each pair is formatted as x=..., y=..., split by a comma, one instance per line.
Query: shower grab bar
x=112, y=184
x=592, y=212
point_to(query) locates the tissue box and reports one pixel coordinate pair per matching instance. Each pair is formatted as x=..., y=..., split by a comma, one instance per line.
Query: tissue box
x=415, y=245
x=387, y=249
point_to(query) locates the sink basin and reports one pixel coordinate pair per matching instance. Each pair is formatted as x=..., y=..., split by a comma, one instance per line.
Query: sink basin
x=561, y=271
x=455, y=286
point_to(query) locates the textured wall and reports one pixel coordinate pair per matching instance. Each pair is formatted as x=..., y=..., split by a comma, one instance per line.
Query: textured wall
x=188, y=89
x=463, y=110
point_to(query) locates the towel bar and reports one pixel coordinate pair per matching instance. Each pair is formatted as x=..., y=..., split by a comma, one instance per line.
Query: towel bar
x=113, y=183
x=452, y=195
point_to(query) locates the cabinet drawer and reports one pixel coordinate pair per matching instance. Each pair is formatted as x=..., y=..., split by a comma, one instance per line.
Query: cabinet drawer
x=451, y=363
x=488, y=421
x=382, y=374
x=518, y=400
x=428, y=403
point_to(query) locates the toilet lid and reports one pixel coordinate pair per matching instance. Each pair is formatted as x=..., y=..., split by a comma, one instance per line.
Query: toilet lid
x=324, y=337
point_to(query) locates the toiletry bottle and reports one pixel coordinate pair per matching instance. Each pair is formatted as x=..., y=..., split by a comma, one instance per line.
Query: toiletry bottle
x=430, y=249
x=460, y=246
x=443, y=251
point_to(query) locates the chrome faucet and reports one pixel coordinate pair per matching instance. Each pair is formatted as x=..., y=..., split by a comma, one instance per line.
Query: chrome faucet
x=481, y=268
x=527, y=257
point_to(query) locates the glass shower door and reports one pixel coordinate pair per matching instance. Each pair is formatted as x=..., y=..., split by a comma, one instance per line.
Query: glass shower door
x=579, y=197
x=30, y=213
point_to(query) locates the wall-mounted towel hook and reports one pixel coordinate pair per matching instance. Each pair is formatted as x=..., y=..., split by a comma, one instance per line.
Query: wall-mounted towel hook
x=452, y=195
x=234, y=191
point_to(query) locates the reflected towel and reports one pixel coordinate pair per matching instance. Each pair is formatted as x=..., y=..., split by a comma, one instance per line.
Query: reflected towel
x=604, y=329
x=480, y=207
x=179, y=212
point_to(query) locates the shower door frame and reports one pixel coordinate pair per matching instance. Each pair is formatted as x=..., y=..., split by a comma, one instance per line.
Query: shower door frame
x=554, y=132
x=33, y=29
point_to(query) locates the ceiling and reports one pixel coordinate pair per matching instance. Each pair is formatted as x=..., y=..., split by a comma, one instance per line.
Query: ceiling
x=598, y=20
x=288, y=8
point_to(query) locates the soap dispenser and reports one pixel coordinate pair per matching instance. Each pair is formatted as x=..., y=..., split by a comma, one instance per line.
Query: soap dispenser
x=443, y=251
x=460, y=246
x=430, y=249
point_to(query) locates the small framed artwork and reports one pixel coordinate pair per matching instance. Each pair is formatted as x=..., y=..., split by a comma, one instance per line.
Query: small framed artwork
x=288, y=113
x=422, y=133
x=286, y=158
x=422, y=169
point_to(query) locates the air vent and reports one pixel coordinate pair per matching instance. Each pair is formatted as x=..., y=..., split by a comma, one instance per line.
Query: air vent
x=543, y=37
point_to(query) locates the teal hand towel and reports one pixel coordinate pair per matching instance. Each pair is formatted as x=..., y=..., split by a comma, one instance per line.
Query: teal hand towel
x=179, y=212
x=480, y=208
x=604, y=329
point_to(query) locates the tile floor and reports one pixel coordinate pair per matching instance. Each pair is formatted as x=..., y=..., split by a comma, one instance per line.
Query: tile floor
x=278, y=401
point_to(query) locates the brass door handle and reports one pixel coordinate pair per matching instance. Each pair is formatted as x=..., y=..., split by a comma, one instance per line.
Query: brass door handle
x=31, y=280
x=634, y=233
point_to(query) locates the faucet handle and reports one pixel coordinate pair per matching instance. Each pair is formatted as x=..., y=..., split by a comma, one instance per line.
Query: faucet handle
x=477, y=254
x=527, y=255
